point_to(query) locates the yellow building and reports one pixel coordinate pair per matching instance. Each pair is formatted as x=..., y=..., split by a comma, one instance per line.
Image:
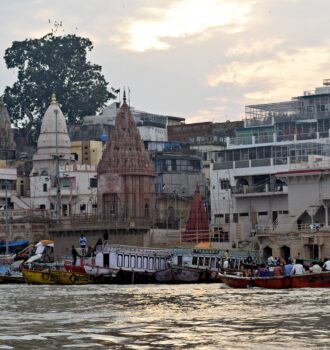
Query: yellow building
x=87, y=152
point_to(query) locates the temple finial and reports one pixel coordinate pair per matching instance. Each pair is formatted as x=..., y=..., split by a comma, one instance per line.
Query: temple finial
x=53, y=100
x=124, y=97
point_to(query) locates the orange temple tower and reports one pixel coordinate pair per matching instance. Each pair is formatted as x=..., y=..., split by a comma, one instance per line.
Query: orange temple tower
x=197, y=228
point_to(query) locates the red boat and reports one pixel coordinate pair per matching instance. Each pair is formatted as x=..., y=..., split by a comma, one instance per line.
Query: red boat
x=310, y=280
x=235, y=281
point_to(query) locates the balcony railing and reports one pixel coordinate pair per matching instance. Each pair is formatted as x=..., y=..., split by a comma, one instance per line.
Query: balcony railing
x=261, y=189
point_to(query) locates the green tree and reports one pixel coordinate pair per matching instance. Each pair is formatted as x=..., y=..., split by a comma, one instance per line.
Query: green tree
x=53, y=64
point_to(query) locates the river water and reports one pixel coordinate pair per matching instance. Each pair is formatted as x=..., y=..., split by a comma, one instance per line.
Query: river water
x=201, y=316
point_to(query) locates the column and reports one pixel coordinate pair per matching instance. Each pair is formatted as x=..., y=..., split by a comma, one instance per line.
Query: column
x=326, y=224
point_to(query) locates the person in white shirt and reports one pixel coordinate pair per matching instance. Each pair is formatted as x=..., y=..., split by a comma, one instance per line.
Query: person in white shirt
x=297, y=269
x=225, y=265
x=326, y=265
x=316, y=268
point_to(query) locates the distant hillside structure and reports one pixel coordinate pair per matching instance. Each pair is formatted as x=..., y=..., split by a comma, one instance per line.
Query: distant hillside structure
x=126, y=190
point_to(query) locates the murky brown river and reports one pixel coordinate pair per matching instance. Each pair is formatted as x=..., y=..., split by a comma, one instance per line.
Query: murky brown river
x=204, y=316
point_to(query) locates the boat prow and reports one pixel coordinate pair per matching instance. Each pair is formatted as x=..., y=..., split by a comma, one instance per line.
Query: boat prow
x=235, y=281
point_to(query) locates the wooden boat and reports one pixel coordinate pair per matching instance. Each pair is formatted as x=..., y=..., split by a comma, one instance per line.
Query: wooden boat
x=38, y=277
x=235, y=281
x=71, y=278
x=309, y=280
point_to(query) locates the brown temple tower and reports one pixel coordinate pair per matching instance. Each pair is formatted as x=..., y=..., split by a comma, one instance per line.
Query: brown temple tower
x=126, y=186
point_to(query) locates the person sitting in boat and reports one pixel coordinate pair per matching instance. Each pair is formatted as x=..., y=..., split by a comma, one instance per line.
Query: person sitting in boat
x=298, y=269
x=278, y=270
x=288, y=268
x=225, y=265
x=315, y=268
x=326, y=265
x=262, y=271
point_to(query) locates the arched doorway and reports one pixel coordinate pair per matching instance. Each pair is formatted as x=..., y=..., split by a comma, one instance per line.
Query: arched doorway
x=267, y=252
x=285, y=252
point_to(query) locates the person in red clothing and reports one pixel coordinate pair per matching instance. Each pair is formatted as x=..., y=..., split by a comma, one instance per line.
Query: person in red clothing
x=278, y=270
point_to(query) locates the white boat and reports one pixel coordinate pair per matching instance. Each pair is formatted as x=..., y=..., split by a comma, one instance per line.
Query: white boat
x=128, y=263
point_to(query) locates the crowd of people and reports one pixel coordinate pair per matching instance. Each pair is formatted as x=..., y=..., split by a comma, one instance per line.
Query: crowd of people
x=284, y=267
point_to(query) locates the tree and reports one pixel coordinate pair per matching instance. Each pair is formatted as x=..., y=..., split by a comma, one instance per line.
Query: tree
x=53, y=64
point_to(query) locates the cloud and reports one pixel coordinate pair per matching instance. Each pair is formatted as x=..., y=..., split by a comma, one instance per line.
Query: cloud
x=183, y=19
x=276, y=78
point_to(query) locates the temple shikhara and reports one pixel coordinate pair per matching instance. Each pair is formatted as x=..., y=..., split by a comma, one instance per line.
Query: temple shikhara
x=126, y=189
x=197, y=228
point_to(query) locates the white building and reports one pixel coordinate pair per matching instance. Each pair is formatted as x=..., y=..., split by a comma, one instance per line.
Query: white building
x=76, y=184
x=261, y=184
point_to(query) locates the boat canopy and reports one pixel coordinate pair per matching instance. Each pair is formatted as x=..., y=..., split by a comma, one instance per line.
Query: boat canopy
x=14, y=244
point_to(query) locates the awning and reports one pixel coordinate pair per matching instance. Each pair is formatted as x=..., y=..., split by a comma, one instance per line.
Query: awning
x=14, y=244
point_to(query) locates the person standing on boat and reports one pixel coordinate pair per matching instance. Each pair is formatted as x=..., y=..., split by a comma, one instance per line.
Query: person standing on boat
x=74, y=255
x=83, y=243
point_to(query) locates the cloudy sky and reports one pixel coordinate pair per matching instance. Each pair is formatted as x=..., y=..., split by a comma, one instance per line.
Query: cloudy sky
x=199, y=59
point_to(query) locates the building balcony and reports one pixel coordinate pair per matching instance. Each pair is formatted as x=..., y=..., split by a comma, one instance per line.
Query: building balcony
x=258, y=190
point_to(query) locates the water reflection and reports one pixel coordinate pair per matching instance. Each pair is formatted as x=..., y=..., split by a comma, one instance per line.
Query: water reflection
x=162, y=317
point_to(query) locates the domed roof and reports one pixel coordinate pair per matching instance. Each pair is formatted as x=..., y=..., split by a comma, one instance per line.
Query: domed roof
x=54, y=132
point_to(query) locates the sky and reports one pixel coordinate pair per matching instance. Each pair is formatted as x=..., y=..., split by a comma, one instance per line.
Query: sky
x=203, y=60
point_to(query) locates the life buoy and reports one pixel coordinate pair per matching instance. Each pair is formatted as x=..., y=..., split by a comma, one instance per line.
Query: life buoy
x=286, y=282
x=73, y=278
x=45, y=276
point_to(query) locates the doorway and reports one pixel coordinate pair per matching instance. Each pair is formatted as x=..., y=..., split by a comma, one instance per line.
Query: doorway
x=285, y=252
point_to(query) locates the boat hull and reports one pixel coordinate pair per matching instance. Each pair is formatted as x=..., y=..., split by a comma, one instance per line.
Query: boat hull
x=71, y=278
x=310, y=280
x=236, y=281
x=38, y=277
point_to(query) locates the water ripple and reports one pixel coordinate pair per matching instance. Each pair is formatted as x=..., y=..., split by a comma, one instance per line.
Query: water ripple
x=162, y=317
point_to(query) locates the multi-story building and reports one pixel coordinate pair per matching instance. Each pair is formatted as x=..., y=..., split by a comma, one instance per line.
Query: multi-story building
x=261, y=184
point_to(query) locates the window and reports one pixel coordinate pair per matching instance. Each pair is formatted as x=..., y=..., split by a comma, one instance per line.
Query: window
x=225, y=184
x=82, y=208
x=146, y=210
x=200, y=261
x=227, y=218
x=194, y=260
x=263, y=213
x=44, y=187
x=235, y=218
x=243, y=214
x=42, y=206
x=205, y=156
x=207, y=261
x=224, y=237
x=93, y=182
x=120, y=260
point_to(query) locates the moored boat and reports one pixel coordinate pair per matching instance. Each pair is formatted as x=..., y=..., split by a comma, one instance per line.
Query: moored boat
x=38, y=277
x=71, y=278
